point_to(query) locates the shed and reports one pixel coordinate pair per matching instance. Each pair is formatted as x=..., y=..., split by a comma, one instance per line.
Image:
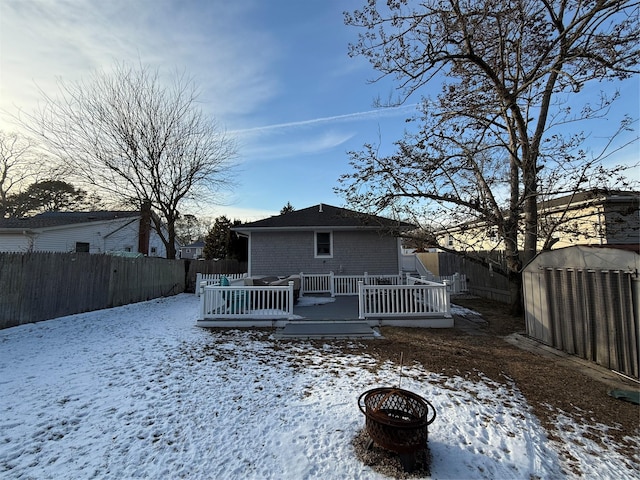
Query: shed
x=585, y=301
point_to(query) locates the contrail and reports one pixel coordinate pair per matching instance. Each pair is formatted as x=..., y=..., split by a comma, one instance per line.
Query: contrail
x=389, y=111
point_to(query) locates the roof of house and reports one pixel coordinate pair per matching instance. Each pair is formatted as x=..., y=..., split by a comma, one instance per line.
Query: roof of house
x=595, y=196
x=324, y=216
x=56, y=219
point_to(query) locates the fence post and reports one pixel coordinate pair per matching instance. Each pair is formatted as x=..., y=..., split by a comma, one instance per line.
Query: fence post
x=301, y=284
x=198, y=280
x=366, y=278
x=360, y=300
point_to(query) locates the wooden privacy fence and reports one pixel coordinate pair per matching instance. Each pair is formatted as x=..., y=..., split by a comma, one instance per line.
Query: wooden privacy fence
x=590, y=313
x=208, y=279
x=479, y=279
x=211, y=267
x=40, y=286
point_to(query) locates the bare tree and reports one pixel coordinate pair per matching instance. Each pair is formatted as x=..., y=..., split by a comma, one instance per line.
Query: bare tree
x=136, y=138
x=498, y=136
x=21, y=163
x=190, y=228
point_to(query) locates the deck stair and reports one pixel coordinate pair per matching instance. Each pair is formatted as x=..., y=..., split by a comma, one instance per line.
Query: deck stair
x=327, y=329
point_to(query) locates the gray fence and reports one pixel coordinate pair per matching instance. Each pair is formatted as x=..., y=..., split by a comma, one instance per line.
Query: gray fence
x=211, y=266
x=39, y=286
x=481, y=281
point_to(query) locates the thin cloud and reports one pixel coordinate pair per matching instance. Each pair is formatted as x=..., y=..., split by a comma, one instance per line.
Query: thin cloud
x=349, y=117
x=300, y=147
x=43, y=41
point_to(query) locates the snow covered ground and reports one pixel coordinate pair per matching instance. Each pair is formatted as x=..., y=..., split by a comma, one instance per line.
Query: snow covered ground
x=140, y=392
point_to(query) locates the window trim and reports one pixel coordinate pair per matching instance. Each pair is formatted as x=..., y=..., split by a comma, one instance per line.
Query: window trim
x=315, y=244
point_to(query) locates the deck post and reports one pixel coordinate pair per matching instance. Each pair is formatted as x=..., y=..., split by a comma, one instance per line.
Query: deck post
x=202, y=312
x=360, y=300
x=332, y=285
x=290, y=298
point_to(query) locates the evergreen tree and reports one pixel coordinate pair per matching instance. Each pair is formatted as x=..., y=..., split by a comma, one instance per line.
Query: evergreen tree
x=287, y=208
x=48, y=196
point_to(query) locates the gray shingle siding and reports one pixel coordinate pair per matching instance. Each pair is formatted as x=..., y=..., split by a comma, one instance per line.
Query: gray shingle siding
x=354, y=252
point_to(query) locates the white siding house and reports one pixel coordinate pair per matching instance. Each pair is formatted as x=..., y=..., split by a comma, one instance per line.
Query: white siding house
x=193, y=251
x=91, y=232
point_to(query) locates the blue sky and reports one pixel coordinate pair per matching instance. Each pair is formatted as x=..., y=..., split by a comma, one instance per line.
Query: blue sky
x=274, y=73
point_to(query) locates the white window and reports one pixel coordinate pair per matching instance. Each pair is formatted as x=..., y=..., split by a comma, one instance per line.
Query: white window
x=154, y=251
x=450, y=240
x=323, y=244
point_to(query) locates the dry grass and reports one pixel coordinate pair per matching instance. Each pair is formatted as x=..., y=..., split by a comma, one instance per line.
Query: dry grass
x=550, y=385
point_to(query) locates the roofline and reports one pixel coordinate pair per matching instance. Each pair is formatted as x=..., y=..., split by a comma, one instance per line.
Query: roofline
x=129, y=219
x=308, y=228
x=549, y=207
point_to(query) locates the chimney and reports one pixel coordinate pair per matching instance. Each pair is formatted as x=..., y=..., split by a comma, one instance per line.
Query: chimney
x=144, y=234
x=320, y=210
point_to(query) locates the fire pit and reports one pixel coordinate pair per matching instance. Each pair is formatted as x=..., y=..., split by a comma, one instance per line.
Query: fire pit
x=397, y=419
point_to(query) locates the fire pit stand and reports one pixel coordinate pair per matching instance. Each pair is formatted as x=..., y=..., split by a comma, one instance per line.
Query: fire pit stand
x=397, y=420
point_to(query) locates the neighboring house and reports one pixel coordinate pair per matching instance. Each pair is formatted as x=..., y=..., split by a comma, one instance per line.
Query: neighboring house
x=321, y=239
x=594, y=217
x=193, y=251
x=90, y=232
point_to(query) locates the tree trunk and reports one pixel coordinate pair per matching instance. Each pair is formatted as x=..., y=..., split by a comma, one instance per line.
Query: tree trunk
x=171, y=243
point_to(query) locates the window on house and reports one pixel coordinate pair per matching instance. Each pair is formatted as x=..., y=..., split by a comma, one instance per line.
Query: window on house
x=82, y=247
x=154, y=251
x=323, y=241
x=450, y=240
x=127, y=249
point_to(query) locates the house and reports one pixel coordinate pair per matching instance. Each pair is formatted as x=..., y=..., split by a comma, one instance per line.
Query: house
x=193, y=251
x=322, y=239
x=123, y=232
x=594, y=217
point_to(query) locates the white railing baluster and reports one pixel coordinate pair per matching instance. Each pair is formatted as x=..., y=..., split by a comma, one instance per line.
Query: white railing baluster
x=421, y=299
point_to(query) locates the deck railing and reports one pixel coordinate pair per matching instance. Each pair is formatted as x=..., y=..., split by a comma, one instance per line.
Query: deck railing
x=205, y=279
x=337, y=285
x=420, y=299
x=239, y=301
x=456, y=283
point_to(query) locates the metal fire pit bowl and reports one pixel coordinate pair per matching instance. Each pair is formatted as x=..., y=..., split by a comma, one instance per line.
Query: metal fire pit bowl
x=397, y=419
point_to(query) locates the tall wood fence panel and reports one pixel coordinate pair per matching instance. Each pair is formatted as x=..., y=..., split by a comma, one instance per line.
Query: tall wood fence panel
x=40, y=286
x=481, y=280
x=211, y=266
